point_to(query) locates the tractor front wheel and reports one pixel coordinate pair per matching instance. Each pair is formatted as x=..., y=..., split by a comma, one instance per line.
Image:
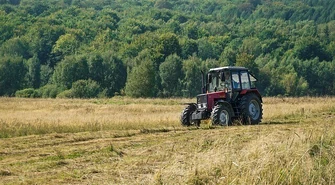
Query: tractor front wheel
x=221, y=115
x=185, y=117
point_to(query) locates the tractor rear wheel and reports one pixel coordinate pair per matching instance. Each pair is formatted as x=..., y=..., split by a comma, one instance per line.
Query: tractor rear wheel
x=251, y=109
x=221, y=115
x=185, y=117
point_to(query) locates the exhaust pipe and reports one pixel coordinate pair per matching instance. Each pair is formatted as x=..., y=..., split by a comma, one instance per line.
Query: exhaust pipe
x=203, y=89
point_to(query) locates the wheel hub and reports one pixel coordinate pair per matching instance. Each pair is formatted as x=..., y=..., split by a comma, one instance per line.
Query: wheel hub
x=224, y=117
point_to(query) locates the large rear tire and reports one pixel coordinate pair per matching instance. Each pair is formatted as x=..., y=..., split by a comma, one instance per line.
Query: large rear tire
x=251, y=109
x=185, y=117
x=221, y=115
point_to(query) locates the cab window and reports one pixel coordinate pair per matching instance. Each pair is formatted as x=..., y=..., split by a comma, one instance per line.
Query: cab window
x=245, y=80
x=236, y=80
x=253, y=81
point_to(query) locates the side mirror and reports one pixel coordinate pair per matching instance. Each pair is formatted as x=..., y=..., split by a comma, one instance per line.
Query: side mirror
x=223, y=78
x=209, y=78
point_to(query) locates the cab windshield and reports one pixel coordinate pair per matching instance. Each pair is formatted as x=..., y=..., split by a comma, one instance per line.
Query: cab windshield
x=215, y=84
x=230, y=80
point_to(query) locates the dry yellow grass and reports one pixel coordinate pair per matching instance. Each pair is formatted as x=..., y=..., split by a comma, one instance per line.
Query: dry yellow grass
x=140, y=141
x=305, y=106
x=38, y=116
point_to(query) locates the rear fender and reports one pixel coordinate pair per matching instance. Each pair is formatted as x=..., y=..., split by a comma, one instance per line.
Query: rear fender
x=255, y=91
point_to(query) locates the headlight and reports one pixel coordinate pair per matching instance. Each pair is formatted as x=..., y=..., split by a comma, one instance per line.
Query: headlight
x=202, y=105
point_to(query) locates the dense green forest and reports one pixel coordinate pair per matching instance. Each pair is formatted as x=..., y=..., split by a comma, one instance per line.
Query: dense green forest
x=157, y=48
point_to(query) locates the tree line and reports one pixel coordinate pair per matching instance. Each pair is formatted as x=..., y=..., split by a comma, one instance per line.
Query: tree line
x=103, y=48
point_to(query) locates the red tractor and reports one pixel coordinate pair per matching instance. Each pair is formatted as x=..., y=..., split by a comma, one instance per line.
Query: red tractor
x=229, y=93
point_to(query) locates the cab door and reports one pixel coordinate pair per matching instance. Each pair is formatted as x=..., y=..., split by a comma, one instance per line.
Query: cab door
x=236, y=84
x=241, y=80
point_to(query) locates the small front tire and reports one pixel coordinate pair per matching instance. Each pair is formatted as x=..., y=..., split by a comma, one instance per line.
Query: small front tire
x=221, y=115
x=185, y=117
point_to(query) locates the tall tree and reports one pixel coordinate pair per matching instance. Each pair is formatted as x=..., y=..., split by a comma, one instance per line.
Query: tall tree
x=189, y=48
x=109, y=71
x=34, y=72
x=309, y=48
x=18, y=47
x=141, y=81
x=192, y=78
x=12, y=74
x=169, y=44
x=69, y=70
x=171, y=75
x=248, y=61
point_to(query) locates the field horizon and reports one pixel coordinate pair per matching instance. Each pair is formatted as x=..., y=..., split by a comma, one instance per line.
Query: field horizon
x=140, y=141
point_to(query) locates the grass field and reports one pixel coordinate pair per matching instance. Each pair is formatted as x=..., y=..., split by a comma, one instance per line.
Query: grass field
x=140, y=141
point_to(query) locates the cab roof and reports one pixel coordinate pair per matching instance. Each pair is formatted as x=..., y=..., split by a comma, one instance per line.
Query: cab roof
x=233, y=68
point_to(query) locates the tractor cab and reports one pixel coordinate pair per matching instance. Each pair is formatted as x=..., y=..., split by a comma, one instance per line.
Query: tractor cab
x=226, y=84
x=228, y=93
x=230, y=79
